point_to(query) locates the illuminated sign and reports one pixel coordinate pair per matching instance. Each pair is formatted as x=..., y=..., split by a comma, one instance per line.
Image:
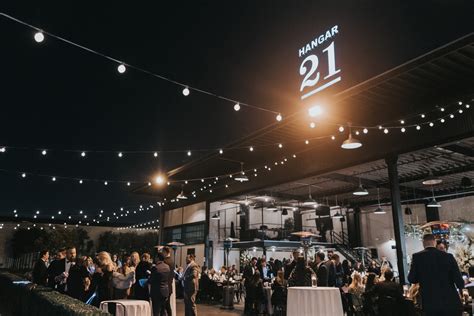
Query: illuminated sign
x=321, y=48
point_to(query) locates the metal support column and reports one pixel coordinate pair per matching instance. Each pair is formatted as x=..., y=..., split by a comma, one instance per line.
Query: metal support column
x=397, y=215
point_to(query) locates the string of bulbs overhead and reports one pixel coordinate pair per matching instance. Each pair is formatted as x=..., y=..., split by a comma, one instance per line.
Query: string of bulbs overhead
x=122, y=67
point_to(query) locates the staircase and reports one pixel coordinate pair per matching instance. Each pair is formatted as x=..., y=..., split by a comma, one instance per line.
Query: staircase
x=341, y=243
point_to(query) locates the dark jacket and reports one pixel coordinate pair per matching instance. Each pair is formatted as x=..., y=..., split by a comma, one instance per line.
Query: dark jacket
x=438, y=275
x=142, y=271
x=170, y=264
x=40, y=272
x=300, y=277
x=322, y=274
x=55, y=269
x=191, y=278
x=289, y=268
x=248, y=273
x=331, y=267
x=75, y=282
x=390, y=298
x=159, y=281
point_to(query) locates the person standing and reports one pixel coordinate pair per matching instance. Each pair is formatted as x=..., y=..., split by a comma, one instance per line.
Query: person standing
x=249, y=271
x=52, y=268
x=191, y=286
x=159, y=285
x=167, y=259
x=290, y=266
x=321, y=269
x=301, y=274
x=78, y=280
x=40, y=270
x=60, y=270
x=142, y=271
x=438, y=275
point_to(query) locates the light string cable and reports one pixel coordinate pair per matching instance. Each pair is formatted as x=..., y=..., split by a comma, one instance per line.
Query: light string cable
x=137, y=68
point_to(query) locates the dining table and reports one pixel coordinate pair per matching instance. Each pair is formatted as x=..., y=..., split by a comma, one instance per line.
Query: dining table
x=314, y=301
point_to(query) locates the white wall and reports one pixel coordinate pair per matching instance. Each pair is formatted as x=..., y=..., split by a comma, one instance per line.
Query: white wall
x=377, y=229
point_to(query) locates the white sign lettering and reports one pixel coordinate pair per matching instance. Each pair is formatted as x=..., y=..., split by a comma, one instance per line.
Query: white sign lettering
x=312, y=82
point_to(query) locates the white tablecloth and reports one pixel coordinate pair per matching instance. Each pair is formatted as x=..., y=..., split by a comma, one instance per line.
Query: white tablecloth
x=305, y=301
x=132, y=307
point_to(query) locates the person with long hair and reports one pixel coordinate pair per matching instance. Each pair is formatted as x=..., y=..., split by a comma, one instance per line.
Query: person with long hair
x=368, y=297
x=301, y=274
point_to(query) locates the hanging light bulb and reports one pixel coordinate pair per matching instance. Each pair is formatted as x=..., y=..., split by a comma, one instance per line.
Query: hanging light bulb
x=251, y=148
x=241, y=176
x=237, y=106
x=315, y=111
x=121, y=68
x=160, y=180
x=351, y=143
x=423, y=116
x=221, y=151
x=431, y=124
x=186, y=91
x=312, y=125
x=403, y=129
x=23, y=175
x=365, y=130
x=83, y=154
x=39, y=37
x=53, y=179
x=379, y=209
x=44, y=152
x=431, y=179
x=309, y=201
x=418, y=127
x=155, y=154
x=80, y=181
x=280, y=145
x=279, y=117
x=385, y=131
x=433, y=203
x=333, y=137
x=128, y=184
x=306, y=142
x=360, y=190
x=120, y=155
x=189, y=153
x=106, y=183
x=341, y=128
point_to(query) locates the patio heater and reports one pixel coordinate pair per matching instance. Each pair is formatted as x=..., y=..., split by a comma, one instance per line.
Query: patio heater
x=174, y=245
x=362, y=251
x=306, y=241
x=228, y=299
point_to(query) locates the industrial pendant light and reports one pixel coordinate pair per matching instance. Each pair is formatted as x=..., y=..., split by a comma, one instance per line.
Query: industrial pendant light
x=431, y=179
x=272, y=207
x=284, y=212
x=241, y=177
x=181, y=195
x=360, y=190
x=433, y=203
x=338, y=215
x=309, y=201
x=466, y=182
x=351, y=143
x=216, y=216
x=379, y=209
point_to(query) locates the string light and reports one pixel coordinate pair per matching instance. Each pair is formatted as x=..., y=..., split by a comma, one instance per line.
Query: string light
x=3, y=149
x=186, y=91
x=53, y=178
x=423, y=116
x=44, y=152
x=221, y=151
x=189, y=153
x=237, y=106
x=365, y=130
x=385, y=131
x=39, y=37
x=279, y=117
x=155, y=154
x=312, y=125
x=83, y=154
x=341, y=128
x=120, y=155
x=23, y=175
x=431, y=124
x=106, y=183
x=280, y=145
x=306, y=142
x=121, y=68
x=418, y=127
x=403, y=130
x=333, y=137
x=251, y=148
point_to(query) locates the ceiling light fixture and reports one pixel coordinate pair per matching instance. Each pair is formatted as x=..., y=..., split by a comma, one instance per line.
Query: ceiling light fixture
x=351, y=143
x=241, y=176
x=379, y=209
x=360, y=190
x=431, y=179
x=433, y=203
x=309, y=201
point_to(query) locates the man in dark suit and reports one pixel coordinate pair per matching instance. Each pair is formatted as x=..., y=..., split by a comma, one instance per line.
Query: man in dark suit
x=60, y=270
x=167, y=254
x=249, y=271
x=159, y=282
x=191, y=286
x=40, y=270
x=390, y=295
x=331, y=267
x=60, y=254
x=438, y=275
x=321, y=269
x=290, y=266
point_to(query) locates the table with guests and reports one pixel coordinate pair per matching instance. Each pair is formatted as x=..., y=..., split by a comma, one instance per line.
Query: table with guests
x=436, y=282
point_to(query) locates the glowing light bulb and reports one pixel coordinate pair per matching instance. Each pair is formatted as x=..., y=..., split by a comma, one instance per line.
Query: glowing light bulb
x=39, y=37
x=460, y=111
x=280, y=145
x=431, y=124
x=44, y=152
x=442, y=109
x=83, y=154
x=3, y=149
x=106, y=183
x=251, y=148
x=467, y=106
x=315, y=111
x=365, y=130
x=312, y=125
x=149, y=183
x=442, y=120
x=160, y=180
x=279, y=117
x=385, y=131
x=294, y=156
x=128, y=184
x=189, y=153
x=186, y=91
x=418, y=127
x=451, y=115
x=402, y=122
x=121, y=68
x=423, y=116
x=341, y=129
x=333, y=137
x=23, y=175
x=403, y=129
x=237, y=106
x=120, y=155
x=221, y=151
x=80, y=181
x=53, y=178
x=155, y=154
x=306, y=142
x=357, y=133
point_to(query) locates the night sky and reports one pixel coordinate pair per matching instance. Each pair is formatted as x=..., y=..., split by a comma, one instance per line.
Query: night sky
x=55, y=96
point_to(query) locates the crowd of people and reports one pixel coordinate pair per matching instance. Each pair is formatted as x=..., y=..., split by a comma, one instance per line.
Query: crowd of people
x=436, y=281
x=106, y=277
